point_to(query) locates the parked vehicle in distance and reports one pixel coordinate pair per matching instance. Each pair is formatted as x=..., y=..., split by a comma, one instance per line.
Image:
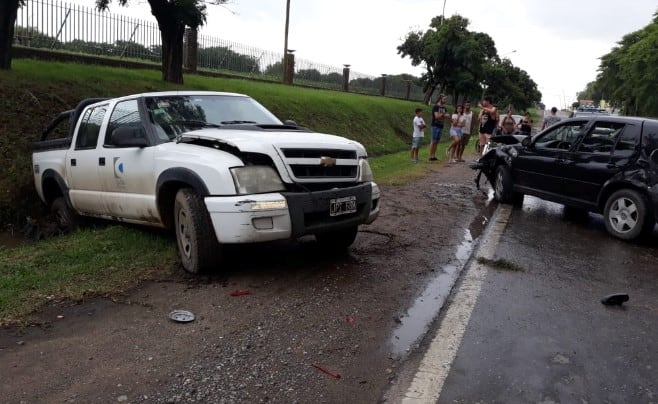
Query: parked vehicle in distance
x=217, y=168
x=602, y=164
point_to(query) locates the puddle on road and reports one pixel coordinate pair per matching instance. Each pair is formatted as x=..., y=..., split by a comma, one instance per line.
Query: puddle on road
x=427, y=305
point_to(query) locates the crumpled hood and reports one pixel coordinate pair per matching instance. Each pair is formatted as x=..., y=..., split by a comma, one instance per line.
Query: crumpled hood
x=262, y=141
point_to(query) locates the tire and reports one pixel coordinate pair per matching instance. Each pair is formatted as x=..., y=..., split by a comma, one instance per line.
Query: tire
x=65, y=218
x=197, y=244
x=337, y=240
x=503, y=187
x=627, y=215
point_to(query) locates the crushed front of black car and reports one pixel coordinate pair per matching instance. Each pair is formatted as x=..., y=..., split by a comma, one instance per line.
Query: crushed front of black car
x=503, y=149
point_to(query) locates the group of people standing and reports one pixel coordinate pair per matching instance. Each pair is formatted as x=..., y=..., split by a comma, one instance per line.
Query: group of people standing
x=461, y=123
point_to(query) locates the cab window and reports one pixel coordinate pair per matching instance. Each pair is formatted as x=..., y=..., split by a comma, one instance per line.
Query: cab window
x=90, y=128
x=124, y=116
x=627, y=142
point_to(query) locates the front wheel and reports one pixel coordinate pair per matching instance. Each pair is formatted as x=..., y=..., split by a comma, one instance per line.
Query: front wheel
x=503, y=187
x=627, y=215
x=198, y=248
x=337, y=240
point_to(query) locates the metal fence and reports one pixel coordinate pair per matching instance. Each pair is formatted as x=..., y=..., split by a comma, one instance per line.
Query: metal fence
x=57, y=25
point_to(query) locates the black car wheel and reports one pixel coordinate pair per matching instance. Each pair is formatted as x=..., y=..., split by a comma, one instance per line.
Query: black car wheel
x=627, y=215
x=503, y=192
x=197, y=244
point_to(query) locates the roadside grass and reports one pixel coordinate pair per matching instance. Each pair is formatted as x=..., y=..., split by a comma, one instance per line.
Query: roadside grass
x=86, y=263
x=500, y=263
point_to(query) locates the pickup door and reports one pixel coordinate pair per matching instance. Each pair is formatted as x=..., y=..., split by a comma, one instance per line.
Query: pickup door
x=126, y=171
x=82, y=163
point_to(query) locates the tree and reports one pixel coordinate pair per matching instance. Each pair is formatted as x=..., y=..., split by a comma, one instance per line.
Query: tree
x=628, y=74
x=453, y=57
x=173, y=16
x=8, y=13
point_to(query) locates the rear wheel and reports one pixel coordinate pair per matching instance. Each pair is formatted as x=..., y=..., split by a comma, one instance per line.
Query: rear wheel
x=337, y=240
x=627, y=215
x=65, y=218
x=198, y=248
x=503, y=187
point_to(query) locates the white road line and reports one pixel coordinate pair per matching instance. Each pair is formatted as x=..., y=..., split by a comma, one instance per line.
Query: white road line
x=434, y=368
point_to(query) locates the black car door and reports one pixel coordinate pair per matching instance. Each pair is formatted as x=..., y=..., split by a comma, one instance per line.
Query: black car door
x=607, y=148
x=539, y=167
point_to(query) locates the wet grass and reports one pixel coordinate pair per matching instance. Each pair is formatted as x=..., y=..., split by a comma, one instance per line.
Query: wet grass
x=500, y=263
x=87, y=263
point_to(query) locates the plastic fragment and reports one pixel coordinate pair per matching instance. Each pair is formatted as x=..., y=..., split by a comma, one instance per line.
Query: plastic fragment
x=323, y=370
x=350, y=319
x=241, y=292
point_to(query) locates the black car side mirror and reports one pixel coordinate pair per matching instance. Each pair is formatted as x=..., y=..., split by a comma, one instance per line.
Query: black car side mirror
x=526, y=142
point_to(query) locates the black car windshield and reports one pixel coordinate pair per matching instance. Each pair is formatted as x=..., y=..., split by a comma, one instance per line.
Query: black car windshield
x=175, y=114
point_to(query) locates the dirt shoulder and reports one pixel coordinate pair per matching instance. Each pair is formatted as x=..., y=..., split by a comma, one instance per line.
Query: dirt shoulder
x=304, y=308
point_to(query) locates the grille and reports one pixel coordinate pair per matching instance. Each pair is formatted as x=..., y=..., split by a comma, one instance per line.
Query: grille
x=305, y=163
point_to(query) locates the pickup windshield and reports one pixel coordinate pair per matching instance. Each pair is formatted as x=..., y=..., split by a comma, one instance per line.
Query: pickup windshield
x=175, y=114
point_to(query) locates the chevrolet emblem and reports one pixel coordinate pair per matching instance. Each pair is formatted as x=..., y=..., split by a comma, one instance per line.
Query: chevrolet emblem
x=327, y=161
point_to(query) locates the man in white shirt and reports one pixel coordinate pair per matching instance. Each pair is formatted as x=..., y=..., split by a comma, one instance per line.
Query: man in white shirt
x=466, y=130
x=417, y=139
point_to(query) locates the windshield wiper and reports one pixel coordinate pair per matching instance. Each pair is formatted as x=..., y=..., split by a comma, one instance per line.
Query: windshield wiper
x=236, y=122
x=197, y=123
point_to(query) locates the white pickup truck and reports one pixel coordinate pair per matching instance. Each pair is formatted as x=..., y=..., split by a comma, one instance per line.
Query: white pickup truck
x=218, y=168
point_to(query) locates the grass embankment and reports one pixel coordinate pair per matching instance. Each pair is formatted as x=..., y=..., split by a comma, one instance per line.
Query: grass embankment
x=110, y=259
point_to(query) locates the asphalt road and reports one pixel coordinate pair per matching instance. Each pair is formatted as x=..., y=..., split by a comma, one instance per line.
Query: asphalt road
x=539, y=332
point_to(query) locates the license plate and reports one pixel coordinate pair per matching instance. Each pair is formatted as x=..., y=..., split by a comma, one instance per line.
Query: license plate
x=342, y=206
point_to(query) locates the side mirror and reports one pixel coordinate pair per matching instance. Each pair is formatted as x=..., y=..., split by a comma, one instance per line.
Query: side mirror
x=290, y=122
x=526, y=142
x=129, y=136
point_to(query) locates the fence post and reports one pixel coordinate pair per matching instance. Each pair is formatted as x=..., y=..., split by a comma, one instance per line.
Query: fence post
x=346, y=78
x=408, y=88
x=289, y=68
x=383, y=92
x=191, y=49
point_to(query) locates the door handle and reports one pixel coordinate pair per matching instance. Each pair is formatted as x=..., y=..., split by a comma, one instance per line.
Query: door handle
x=101, y=161
x=611, y=165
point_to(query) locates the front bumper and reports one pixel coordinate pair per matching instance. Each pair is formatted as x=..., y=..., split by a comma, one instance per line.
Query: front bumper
x=286, y=215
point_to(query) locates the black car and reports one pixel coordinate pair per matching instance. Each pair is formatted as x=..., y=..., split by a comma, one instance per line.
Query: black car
x=603, y=164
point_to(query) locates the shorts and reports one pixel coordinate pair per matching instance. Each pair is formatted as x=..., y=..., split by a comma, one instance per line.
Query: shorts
x=456, y=132
x=436, y=133
x=465, y=138
x=416, y=142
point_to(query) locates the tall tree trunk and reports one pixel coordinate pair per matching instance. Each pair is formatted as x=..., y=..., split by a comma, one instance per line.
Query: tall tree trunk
x=172, y=51
x=8, y=11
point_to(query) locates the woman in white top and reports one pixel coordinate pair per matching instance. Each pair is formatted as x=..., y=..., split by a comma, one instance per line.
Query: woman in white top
x=458, y=122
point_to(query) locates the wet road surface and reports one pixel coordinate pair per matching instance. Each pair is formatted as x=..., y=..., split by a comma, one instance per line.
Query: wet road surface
x=539, y=332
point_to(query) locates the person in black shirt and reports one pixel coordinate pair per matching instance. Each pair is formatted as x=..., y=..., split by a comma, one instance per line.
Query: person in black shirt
x=439, y=114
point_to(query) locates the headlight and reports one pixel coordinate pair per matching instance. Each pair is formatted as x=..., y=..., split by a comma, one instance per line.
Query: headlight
x=365, y=173
x=256, y=180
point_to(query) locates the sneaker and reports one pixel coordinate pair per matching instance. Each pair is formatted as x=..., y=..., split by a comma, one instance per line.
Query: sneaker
x=433, y=159
x=460, y=160
x=448, y=152
x=453, y=160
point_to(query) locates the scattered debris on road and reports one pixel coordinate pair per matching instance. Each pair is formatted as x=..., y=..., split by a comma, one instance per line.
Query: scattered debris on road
x=241, y=292
x=323, y=370
x=615, y=299
x=182, y=316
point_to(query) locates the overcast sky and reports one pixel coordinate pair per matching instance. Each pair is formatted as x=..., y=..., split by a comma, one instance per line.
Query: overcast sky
x=558, y=42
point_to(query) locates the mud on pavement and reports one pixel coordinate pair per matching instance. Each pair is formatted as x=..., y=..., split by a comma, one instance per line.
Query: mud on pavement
x=310, y=327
